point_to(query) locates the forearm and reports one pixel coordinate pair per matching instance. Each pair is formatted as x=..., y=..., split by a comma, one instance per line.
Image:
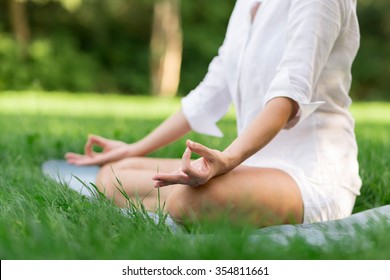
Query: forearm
x=170, y=130
x=261, y=131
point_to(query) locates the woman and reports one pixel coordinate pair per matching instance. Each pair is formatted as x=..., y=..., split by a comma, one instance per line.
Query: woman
x=286, y=66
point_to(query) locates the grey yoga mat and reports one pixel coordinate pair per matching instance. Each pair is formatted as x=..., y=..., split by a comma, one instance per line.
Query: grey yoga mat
x=347, y=230
x=65, y=173
x=316, y=234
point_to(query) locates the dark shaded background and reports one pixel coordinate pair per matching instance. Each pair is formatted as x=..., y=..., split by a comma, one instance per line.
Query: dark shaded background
x=103, y=46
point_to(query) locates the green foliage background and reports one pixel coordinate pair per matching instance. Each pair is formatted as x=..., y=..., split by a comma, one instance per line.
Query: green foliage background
x=103, y=46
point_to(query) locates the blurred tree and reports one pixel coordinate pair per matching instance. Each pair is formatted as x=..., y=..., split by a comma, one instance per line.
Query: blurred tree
x=20, y=26
x=371, y=69
x=166, y=46
x=20, y=22
x=132, y=46
x=136, y=46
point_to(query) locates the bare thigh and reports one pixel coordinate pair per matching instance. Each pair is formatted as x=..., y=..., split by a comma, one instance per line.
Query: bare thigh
x=259, y=196
x=134, y=177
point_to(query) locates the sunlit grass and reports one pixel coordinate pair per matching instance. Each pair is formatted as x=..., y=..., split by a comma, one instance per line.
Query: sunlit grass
x=371, y=112
x=90, y=105
x=41, y=219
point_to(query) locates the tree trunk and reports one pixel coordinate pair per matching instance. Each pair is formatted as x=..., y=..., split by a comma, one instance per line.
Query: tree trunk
x=19, y=22
x=166, y=47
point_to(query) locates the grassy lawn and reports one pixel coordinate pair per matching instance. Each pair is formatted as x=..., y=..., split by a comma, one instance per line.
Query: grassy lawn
x=40, y=219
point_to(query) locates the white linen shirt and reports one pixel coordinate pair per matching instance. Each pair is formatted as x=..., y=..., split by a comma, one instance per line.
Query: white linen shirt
x=300, y=49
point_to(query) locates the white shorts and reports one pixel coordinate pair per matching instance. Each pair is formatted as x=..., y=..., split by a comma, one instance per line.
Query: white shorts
x=322, y=202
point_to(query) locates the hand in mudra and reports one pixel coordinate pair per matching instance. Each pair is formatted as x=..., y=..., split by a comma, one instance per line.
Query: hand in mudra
x=194, y=173
x=113, y=150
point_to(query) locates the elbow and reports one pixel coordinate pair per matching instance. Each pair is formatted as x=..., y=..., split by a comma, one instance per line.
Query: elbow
x=284, y=110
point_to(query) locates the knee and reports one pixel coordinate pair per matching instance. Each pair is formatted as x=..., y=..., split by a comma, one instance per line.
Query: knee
x=179, y=203
x=187, y=204
x=128, y=163
x=105, y=180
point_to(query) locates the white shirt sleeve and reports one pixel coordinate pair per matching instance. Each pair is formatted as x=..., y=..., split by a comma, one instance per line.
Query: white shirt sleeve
x=313, y=27
x=210, y=101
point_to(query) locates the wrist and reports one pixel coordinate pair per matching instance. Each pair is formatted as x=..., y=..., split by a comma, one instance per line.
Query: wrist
x=231, y=160
x=136, y=149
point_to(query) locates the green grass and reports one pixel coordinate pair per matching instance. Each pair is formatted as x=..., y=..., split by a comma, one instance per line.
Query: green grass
x=40, y=219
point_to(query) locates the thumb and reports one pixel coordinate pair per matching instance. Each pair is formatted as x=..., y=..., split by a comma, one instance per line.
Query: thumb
x=186, y=161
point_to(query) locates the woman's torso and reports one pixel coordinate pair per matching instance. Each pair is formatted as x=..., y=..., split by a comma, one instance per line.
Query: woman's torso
x=324, y=144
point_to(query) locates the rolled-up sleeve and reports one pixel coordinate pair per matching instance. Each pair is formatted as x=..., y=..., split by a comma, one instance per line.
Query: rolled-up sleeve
x=313, y=27
x=210, y=100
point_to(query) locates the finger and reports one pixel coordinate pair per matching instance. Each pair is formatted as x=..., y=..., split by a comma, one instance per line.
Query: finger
x=81, y=160
x=88, y=148
x=98, y=140
x=164, y=177
x=173, y=178
x=71, y=157
x=186, y=161
x=92, y=141
x=97, y=159
x=161, y=184
x=200, y=149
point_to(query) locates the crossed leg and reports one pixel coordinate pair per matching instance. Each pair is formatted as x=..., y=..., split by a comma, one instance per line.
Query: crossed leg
x=135, y=176
x=259, y=196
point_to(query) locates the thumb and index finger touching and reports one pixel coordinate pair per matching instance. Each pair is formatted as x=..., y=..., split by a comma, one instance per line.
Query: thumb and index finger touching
x=89, y=156
x=193, y=147
x=94, y=140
